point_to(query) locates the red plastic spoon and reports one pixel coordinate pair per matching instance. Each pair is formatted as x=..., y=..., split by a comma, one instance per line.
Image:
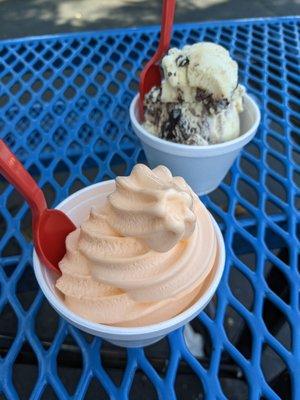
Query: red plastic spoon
x=50, y=227
x=151, y=76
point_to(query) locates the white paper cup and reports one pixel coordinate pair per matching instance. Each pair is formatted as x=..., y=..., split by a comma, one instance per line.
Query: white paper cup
x=203, y=167
x=77, y=207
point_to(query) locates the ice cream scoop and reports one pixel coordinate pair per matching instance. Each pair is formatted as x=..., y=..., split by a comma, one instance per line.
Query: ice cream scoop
x=143, y=256
x=199, y=71
x=199, y=100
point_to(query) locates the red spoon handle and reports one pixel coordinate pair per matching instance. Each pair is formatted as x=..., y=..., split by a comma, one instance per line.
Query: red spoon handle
x=166, y=27
x=16, y=174
x=151, y=74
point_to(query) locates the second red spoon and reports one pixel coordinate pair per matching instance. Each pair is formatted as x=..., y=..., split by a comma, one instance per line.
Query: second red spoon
x=150, y=75
x=50, y=227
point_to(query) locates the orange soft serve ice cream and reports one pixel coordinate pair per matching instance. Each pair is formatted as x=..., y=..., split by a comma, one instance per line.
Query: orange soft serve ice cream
x=144, y=256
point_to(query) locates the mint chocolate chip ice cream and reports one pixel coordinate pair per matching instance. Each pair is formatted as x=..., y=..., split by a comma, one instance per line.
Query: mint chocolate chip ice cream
x=199, y=100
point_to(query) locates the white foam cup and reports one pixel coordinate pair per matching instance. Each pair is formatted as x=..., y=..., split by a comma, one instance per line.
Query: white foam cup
x=78, y=207
x=203, y=167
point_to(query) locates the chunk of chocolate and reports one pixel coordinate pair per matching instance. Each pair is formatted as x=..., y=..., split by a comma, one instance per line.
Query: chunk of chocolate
x=168, y=128
x=182, y=61
x=202, y=94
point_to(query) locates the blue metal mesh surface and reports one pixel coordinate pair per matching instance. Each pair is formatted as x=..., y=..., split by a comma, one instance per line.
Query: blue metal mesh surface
x=64, y=111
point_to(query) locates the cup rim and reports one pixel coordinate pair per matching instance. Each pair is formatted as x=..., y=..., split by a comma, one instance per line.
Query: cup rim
x=128, y=332
x=177, y=147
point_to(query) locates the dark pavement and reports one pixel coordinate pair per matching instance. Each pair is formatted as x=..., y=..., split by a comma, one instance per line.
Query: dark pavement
x=38, y=17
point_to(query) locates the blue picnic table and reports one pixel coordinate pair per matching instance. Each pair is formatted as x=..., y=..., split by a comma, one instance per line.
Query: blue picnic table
x=64, y=111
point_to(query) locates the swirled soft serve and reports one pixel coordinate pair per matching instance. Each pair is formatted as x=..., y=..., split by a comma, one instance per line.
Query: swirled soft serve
x=144, y=256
